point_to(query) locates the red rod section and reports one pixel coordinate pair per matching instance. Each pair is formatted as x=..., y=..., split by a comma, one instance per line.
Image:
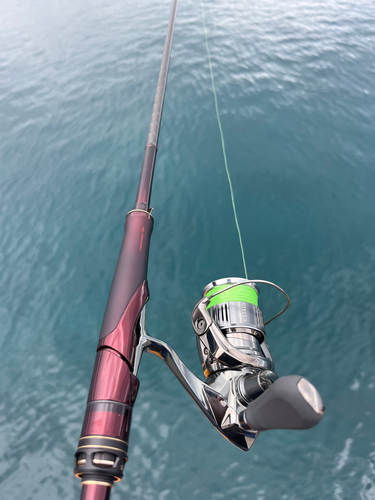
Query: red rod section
x=95, y=491
x=103, y=446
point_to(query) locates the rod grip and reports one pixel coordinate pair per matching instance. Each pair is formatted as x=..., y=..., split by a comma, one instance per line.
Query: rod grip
x=131, y=269
x=291, y=402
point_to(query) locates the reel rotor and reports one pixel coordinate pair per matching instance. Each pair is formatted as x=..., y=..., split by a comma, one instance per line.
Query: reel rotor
x=236, y=313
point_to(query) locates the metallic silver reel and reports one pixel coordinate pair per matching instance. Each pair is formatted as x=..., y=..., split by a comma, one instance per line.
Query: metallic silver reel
x=236, y=323
x=242, y=395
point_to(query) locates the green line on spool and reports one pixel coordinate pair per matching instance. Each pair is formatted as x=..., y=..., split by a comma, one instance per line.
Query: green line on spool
x=240, y=293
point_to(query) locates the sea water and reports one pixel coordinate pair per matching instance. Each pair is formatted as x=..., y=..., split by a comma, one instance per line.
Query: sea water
x=295, y=86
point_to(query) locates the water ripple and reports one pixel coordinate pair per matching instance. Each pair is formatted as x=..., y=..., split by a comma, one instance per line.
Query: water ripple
x=295, y=88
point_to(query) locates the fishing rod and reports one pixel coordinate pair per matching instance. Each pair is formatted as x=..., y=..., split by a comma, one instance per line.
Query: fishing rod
x=241, y=395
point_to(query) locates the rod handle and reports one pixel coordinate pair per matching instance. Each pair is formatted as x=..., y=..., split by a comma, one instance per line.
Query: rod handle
x=291, y=402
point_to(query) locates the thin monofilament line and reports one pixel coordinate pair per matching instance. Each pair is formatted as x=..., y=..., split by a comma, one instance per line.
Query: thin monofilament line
x=222, y=139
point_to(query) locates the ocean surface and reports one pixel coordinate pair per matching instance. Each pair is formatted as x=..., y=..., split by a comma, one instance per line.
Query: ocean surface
x=295, y=84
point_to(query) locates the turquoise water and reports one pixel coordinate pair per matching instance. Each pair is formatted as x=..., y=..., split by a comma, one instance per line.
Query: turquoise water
x=295, y=83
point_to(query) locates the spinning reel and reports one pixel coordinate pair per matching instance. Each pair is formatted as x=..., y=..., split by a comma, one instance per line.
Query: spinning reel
x=242, y=395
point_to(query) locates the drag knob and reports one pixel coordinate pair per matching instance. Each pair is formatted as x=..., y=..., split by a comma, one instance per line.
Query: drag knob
x=289, y=403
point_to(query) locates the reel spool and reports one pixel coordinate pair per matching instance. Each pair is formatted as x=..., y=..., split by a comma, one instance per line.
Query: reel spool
x=233, y=309
x=236, y=310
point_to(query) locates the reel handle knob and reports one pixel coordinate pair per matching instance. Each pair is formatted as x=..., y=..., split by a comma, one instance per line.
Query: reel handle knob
x=291, y=402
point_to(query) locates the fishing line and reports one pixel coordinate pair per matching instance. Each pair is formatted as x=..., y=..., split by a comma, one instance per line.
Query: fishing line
x=222, y=140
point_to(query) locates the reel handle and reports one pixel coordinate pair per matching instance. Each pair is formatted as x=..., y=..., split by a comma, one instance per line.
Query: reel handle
x=291, y=402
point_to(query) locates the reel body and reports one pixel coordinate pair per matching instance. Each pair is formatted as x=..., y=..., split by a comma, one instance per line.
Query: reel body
x=241, y=394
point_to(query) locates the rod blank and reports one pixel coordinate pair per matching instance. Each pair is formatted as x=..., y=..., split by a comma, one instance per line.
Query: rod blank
x=153, y=133
x=142, y=201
